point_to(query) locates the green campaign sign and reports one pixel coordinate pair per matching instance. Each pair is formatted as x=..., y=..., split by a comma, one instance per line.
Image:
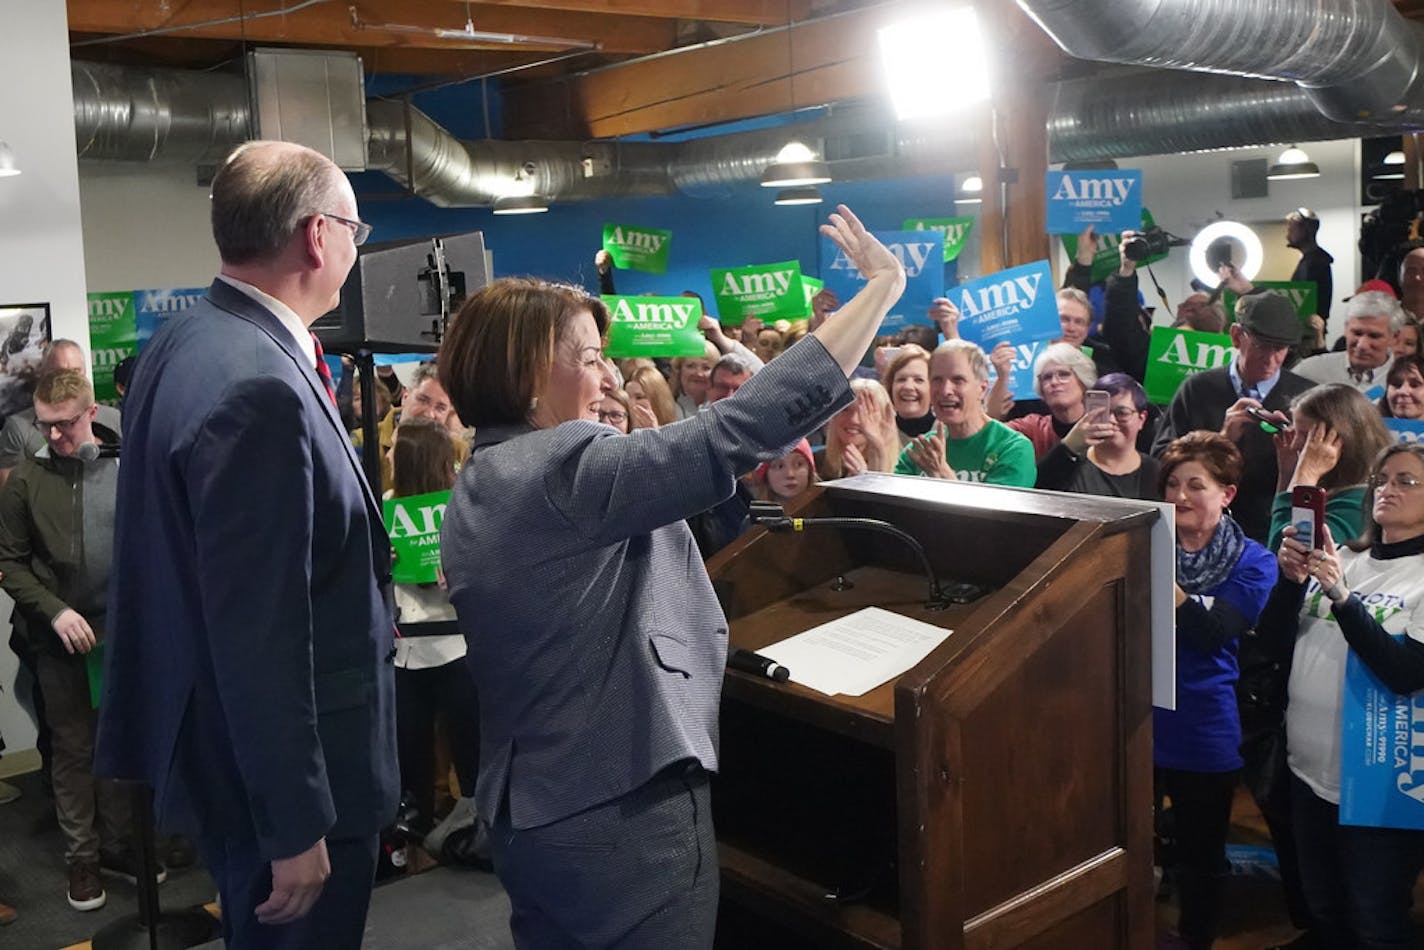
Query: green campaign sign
x=413, y=523
x=812, y=287
x=653, y=326
x=768, y=291
x=1173, y=355
x=1302, y=294
x=634, y=248
x=113, y=335
x=1107, y=259
x=955, y=231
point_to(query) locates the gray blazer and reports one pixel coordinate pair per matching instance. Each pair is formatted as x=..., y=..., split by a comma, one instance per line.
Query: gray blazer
x=594, y=637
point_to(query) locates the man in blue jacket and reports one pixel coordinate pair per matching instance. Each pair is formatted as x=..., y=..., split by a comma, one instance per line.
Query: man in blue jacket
x=248, y=676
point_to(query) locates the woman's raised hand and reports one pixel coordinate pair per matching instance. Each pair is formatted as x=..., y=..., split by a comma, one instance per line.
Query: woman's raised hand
x=864, y=250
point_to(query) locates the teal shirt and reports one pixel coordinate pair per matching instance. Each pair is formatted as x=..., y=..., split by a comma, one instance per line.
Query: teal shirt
x=1344, y=515
x=995, y=455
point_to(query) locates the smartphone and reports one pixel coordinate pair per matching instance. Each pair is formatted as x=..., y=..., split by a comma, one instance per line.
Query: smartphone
x=1268, y=425
x=1308, y=514
x=1095, y=399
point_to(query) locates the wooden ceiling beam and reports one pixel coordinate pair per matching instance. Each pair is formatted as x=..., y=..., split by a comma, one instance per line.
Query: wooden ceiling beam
x=329, y=24
x=809, y=64
x=756, y=12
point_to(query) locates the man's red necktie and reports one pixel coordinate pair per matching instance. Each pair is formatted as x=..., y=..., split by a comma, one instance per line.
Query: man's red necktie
x=324, y=371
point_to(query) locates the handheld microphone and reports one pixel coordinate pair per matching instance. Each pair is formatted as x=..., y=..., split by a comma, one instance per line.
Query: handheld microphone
x=90, y=451
x=748, y=662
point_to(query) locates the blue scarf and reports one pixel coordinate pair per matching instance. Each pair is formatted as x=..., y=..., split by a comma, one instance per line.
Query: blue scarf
x=1204, y=570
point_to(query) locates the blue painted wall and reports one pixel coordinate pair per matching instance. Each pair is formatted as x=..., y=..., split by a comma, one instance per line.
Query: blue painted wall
x=740, y=226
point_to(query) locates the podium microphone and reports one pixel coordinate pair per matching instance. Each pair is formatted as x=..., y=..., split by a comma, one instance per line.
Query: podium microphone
x=771, y=516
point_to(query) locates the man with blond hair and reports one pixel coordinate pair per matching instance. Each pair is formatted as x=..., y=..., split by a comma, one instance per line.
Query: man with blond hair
x=56, y=547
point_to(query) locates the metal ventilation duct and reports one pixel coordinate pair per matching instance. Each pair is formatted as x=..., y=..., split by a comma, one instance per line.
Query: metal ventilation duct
x=129, y=114
x=1358, y=60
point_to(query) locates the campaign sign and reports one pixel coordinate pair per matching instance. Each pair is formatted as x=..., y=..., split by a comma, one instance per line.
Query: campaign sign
x=769, y=292
x=413, y=523
x=922, y=253
x=1107, y=259
x=1016, y=305
x=1381, y=752
x=153, y=307
x=812, y=287
x=112, y=337
x=1109, y=200
x=634, y=248
x=1406, y=430
x=653, y=326
x=955, y=232
x=1301, y=293
x=1173, y=355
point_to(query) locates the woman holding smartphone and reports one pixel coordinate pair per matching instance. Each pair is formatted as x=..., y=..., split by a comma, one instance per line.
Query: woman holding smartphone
x=1335, y=437
x=1365, y=598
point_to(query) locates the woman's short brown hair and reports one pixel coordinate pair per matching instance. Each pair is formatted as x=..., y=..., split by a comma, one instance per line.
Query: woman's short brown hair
x=908, y=352
x=1216, y=453
x=1355, y=419
x=500, y=346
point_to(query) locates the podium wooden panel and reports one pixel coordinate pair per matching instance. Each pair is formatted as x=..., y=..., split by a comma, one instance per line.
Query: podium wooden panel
x=997, y=795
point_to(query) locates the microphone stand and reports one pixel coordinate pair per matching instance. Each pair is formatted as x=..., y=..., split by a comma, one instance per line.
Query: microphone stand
x=772, y=517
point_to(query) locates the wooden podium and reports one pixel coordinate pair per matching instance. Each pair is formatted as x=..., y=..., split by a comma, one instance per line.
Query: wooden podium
x=999, y=794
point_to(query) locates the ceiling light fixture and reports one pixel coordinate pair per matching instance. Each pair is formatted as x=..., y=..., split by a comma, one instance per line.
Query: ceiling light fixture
x=971, y=191
x=519, y=196
x=806, y=195
x=795, y=166
x=471, y=35
x=8, y=166
x=1292, y=164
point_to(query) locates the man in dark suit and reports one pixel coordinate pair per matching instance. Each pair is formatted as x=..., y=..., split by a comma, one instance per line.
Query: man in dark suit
x=248, y=677
x=1266, y=328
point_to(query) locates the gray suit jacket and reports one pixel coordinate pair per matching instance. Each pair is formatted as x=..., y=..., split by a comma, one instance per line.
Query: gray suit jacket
x=594, y=636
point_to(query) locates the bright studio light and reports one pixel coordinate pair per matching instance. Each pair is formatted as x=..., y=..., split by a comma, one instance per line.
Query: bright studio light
x=913, y=54
x=1231, y=230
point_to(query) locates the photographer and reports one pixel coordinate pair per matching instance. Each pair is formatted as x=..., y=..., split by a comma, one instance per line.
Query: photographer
x=1126, y=326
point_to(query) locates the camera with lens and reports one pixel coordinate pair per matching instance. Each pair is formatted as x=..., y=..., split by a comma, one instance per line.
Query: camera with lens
x=1153, y=242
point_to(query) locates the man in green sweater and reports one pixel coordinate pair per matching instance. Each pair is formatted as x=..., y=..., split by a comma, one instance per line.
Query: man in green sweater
x=965, y=444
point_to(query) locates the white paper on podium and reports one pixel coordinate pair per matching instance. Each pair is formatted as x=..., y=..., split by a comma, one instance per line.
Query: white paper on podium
x=856, y=653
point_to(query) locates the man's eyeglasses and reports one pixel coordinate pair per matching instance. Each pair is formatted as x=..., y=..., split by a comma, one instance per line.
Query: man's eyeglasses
x=616, y=416
x=1124, y=413
x=440, y=408
x=1402, y=482
x=360, y=230
x=63, y=425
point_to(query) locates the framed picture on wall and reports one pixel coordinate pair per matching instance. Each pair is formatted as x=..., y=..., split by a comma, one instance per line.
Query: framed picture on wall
x=24, y=334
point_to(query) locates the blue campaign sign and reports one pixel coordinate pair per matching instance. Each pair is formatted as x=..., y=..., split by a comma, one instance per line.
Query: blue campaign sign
x=1109, y=200
x=1406, y=430
x=153, y=307
x=922, y=253
x=1381, y=753
x=1016, y=305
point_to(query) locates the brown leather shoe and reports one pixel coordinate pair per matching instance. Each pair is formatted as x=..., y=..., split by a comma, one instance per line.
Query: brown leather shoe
x=86, y=892
x=7, y=914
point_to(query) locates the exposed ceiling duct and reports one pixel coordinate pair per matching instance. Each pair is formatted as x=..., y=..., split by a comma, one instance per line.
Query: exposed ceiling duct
x=132, y=114
x=1357, y=60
